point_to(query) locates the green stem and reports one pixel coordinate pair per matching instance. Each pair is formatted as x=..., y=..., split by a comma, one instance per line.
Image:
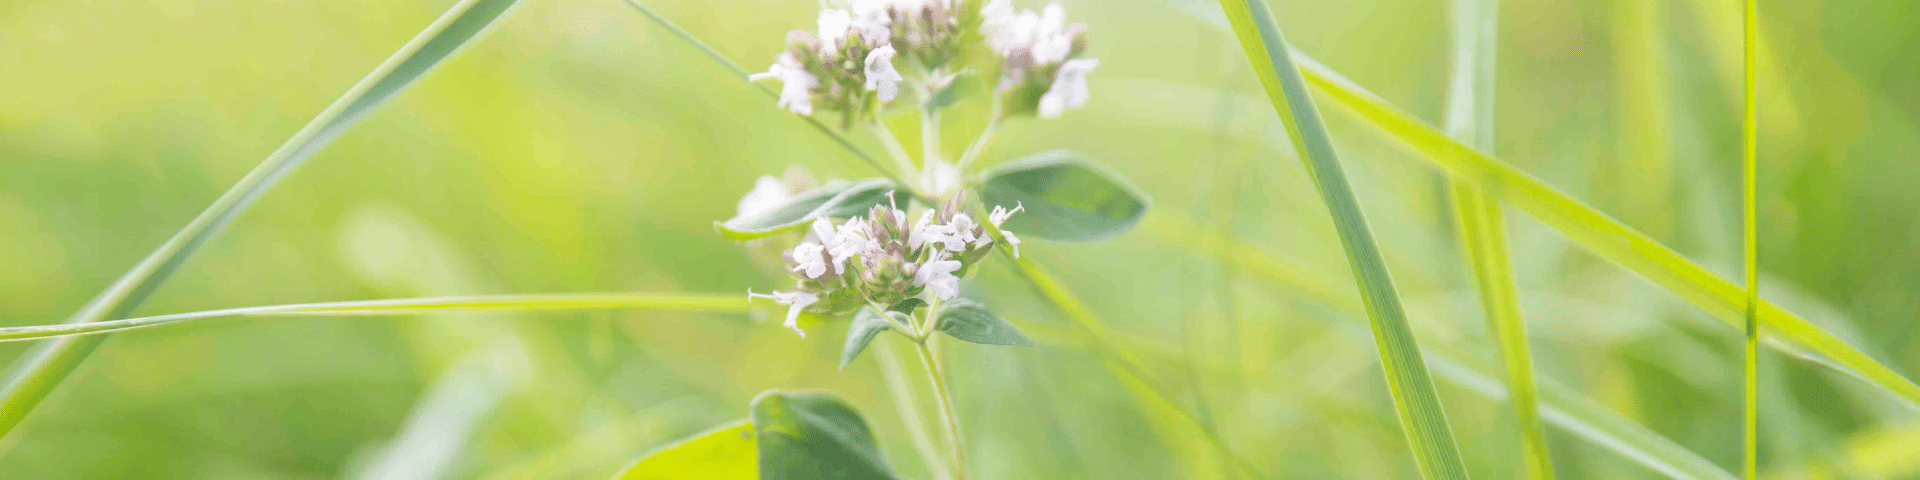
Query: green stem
x=892, y=143
x=936, y=372
x=930, y=136
x=1749, y=136
x=894, y=373
x=986, y=136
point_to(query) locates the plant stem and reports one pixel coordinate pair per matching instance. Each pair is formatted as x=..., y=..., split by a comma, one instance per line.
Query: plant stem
x=1749, y=136
x=986, y=136
x=904, y=402
x=900, y=156
x=936, y=372
x=930, y=136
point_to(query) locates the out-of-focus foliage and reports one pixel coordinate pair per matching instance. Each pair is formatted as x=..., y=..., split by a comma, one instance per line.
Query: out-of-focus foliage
x=582, y=148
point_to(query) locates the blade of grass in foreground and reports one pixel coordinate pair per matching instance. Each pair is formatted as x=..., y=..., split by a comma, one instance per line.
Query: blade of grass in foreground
x=695, y=302
x=1481, y=225
x=1749, y=142
x=1601, y=234
x=1418, y=404
x=37, y=372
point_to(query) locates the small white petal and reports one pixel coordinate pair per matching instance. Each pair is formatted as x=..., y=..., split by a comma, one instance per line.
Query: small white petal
x=796, y=301
x=1012, y=241
x=810, y=259
x=1069, y=89
x=937, y=275
x=881, y=76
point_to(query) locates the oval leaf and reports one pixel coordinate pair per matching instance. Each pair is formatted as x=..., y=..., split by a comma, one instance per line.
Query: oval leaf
x=838, y=199
x=725, y=453
x=969, y=320
x=813, y=435
x=1067, y=196
x=861, y=331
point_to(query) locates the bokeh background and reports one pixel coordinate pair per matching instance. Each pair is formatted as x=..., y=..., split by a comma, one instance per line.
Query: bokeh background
x=581, y=148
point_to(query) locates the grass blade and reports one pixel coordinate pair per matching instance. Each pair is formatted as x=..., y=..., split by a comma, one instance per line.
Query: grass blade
x=1749, y=141
x=1603, y=235
x=743, y=73
x=35, y=375
x=696, y=302
x=1425, y=422
x=1481, y=225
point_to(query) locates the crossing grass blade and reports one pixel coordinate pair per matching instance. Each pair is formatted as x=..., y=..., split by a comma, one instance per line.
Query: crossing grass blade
x=1415, y=399
x=1480, y=223
x=694, y=302
x=1603, y=235
x=1749, y=141
x=37, y=372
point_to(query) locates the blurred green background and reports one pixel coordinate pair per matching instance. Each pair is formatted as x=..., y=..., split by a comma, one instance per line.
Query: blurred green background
x=580, y=147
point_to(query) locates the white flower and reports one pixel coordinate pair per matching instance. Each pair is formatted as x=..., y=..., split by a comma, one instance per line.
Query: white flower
x=937, y=275
x=963, y=226
x=925, y=231
x=796, y=90
x=795, y=300
x=768, y=193
x=845, y=242
x=811, y=259
x=998, y=216
x=880, y=73
x=1069, y=88
x=1051, y=43
x=834, y=24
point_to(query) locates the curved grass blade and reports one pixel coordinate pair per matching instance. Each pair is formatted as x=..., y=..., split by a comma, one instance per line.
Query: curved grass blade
x=1418, y=404
x=37, y=372
x=694, y=302
x=1559, y=405
x=1603, y=235
x=1481, y=225
x=1749, y=141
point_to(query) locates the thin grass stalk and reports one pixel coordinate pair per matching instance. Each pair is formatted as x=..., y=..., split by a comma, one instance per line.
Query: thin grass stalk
x=695, y=302
x=1418, y=404
x=35, y=375
x=1749, y=142
x=1127, y=365
x=1480, y=224
x=737, y=70
x=1604, y=236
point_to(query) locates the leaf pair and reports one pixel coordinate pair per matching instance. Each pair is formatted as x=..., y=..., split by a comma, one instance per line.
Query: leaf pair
x=1068, y=197
x=790, y=435
x=959, y=318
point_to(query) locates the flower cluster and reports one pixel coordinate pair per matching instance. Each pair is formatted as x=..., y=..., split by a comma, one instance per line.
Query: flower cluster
x=847, y=64
x=880, y=259
x=1040, y=54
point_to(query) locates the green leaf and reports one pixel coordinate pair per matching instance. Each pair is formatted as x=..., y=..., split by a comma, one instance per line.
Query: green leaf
x=865, y=325
x=839, y=199
x=969, y=320
x=907, y=306
x=37, y=372
x=697, y=302
x=1067, y=197
x=725, y=453
x=1418, y=404
x=814, y=436
x=1481, y=225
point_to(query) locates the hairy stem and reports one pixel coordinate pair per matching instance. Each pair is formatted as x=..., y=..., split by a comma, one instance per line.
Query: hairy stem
x=904, y=401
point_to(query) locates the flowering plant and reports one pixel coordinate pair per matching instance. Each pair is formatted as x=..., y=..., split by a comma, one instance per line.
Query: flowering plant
x=890, y=253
